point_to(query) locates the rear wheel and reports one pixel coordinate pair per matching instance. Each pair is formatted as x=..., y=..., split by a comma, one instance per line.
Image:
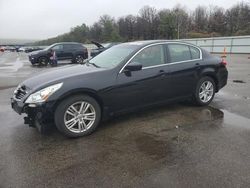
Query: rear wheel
x=43, y=61
x=205, y=91
x=79, y=59
x=77, y=116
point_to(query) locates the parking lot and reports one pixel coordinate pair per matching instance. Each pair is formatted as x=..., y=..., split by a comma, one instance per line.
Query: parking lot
x=176, y=145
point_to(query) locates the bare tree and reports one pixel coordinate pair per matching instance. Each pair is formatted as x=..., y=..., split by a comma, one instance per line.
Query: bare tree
x=164, y=24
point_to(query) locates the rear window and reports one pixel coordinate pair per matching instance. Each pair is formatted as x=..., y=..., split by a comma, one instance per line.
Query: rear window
x=72, y=46
x=179, y=52
x=195, y=52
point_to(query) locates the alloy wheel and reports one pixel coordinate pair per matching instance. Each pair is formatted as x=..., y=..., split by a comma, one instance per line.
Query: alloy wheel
x=79, y=117
x=206, y=91
x=79, y=59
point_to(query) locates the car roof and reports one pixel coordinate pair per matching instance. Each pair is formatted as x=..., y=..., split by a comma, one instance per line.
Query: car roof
x=67, y=43
x=148, y=42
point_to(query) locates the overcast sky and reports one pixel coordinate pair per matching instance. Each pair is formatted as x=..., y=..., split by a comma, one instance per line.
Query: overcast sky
x=40, y=19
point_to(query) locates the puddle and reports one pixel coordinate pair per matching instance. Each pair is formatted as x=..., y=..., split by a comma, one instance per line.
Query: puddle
x=235, y=120
x=172, y=145
x=12, y=66
x=151, y=146
x=157, y=148
x=239, y=81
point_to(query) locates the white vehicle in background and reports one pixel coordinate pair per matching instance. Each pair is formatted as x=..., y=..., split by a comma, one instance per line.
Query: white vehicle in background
x=24, y=49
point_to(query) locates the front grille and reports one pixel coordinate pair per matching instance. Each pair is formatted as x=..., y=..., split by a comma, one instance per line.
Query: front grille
x=20, y=92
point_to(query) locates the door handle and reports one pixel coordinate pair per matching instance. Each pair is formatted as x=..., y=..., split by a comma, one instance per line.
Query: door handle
x=162, y=73
x=197, y=66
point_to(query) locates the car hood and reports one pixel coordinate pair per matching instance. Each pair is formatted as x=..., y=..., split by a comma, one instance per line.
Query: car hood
x=97, y=44
x=59, y=75
x=38, y=52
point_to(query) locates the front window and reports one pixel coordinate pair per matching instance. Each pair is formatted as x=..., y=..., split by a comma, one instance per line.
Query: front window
x=113, y=56
x=150, y=56
x=57, y=47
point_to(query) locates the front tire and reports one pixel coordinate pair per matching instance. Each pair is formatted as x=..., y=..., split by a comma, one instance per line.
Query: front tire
x=77, y=116
x=43, y=61
x=205, y=91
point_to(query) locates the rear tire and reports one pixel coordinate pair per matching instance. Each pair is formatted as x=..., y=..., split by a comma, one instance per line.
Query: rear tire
x=77, y=116
x=204, y=92
x=78, y=59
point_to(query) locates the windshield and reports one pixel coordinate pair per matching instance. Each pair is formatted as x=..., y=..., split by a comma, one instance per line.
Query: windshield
x=113, y=56
x=47, y=48
x=106, y=45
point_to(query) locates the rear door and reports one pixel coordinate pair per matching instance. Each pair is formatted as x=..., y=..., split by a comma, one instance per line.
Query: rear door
x=68, y=50
x=184, y=63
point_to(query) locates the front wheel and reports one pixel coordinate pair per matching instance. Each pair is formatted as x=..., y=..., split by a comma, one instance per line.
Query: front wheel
x=43, y=61
x=77, y=116
x=205, y=91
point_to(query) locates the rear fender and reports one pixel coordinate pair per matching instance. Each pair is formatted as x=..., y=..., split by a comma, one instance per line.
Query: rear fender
x=211, y=72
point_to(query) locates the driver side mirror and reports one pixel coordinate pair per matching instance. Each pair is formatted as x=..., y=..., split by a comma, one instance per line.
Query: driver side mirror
x=133, y=66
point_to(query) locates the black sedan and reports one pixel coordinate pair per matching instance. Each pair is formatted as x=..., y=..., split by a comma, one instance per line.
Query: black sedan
x=125, y=77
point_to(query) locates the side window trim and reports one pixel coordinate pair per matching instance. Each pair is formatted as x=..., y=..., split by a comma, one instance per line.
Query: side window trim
x=168, y=54
x=190, y=52
x=64, y=47
x=168, y=57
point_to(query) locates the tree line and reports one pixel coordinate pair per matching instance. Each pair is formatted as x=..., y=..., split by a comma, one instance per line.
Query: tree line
x=151, y=23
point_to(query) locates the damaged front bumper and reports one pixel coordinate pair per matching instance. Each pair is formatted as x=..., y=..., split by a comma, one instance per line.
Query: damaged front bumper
x=37, y=114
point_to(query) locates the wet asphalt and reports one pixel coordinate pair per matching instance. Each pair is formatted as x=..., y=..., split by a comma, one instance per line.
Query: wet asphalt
x=176, y=145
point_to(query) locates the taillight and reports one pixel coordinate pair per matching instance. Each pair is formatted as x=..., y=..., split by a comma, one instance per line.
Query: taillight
x=223, y=62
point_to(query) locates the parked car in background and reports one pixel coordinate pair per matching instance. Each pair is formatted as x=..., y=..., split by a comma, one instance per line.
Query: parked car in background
x=2, y=49
x=24, y=49
x=36, y=48
x=10, y=48
x=28, y=49
x=125, y=77
x=101, y=47
x=64, y=51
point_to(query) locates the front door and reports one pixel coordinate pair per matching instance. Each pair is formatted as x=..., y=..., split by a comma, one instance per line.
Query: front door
x=146, y=86
x=59, y=51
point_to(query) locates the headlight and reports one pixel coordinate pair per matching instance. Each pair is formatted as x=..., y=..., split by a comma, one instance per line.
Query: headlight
x=44, y=94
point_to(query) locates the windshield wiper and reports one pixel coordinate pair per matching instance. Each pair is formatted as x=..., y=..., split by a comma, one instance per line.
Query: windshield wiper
x=88, y=63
